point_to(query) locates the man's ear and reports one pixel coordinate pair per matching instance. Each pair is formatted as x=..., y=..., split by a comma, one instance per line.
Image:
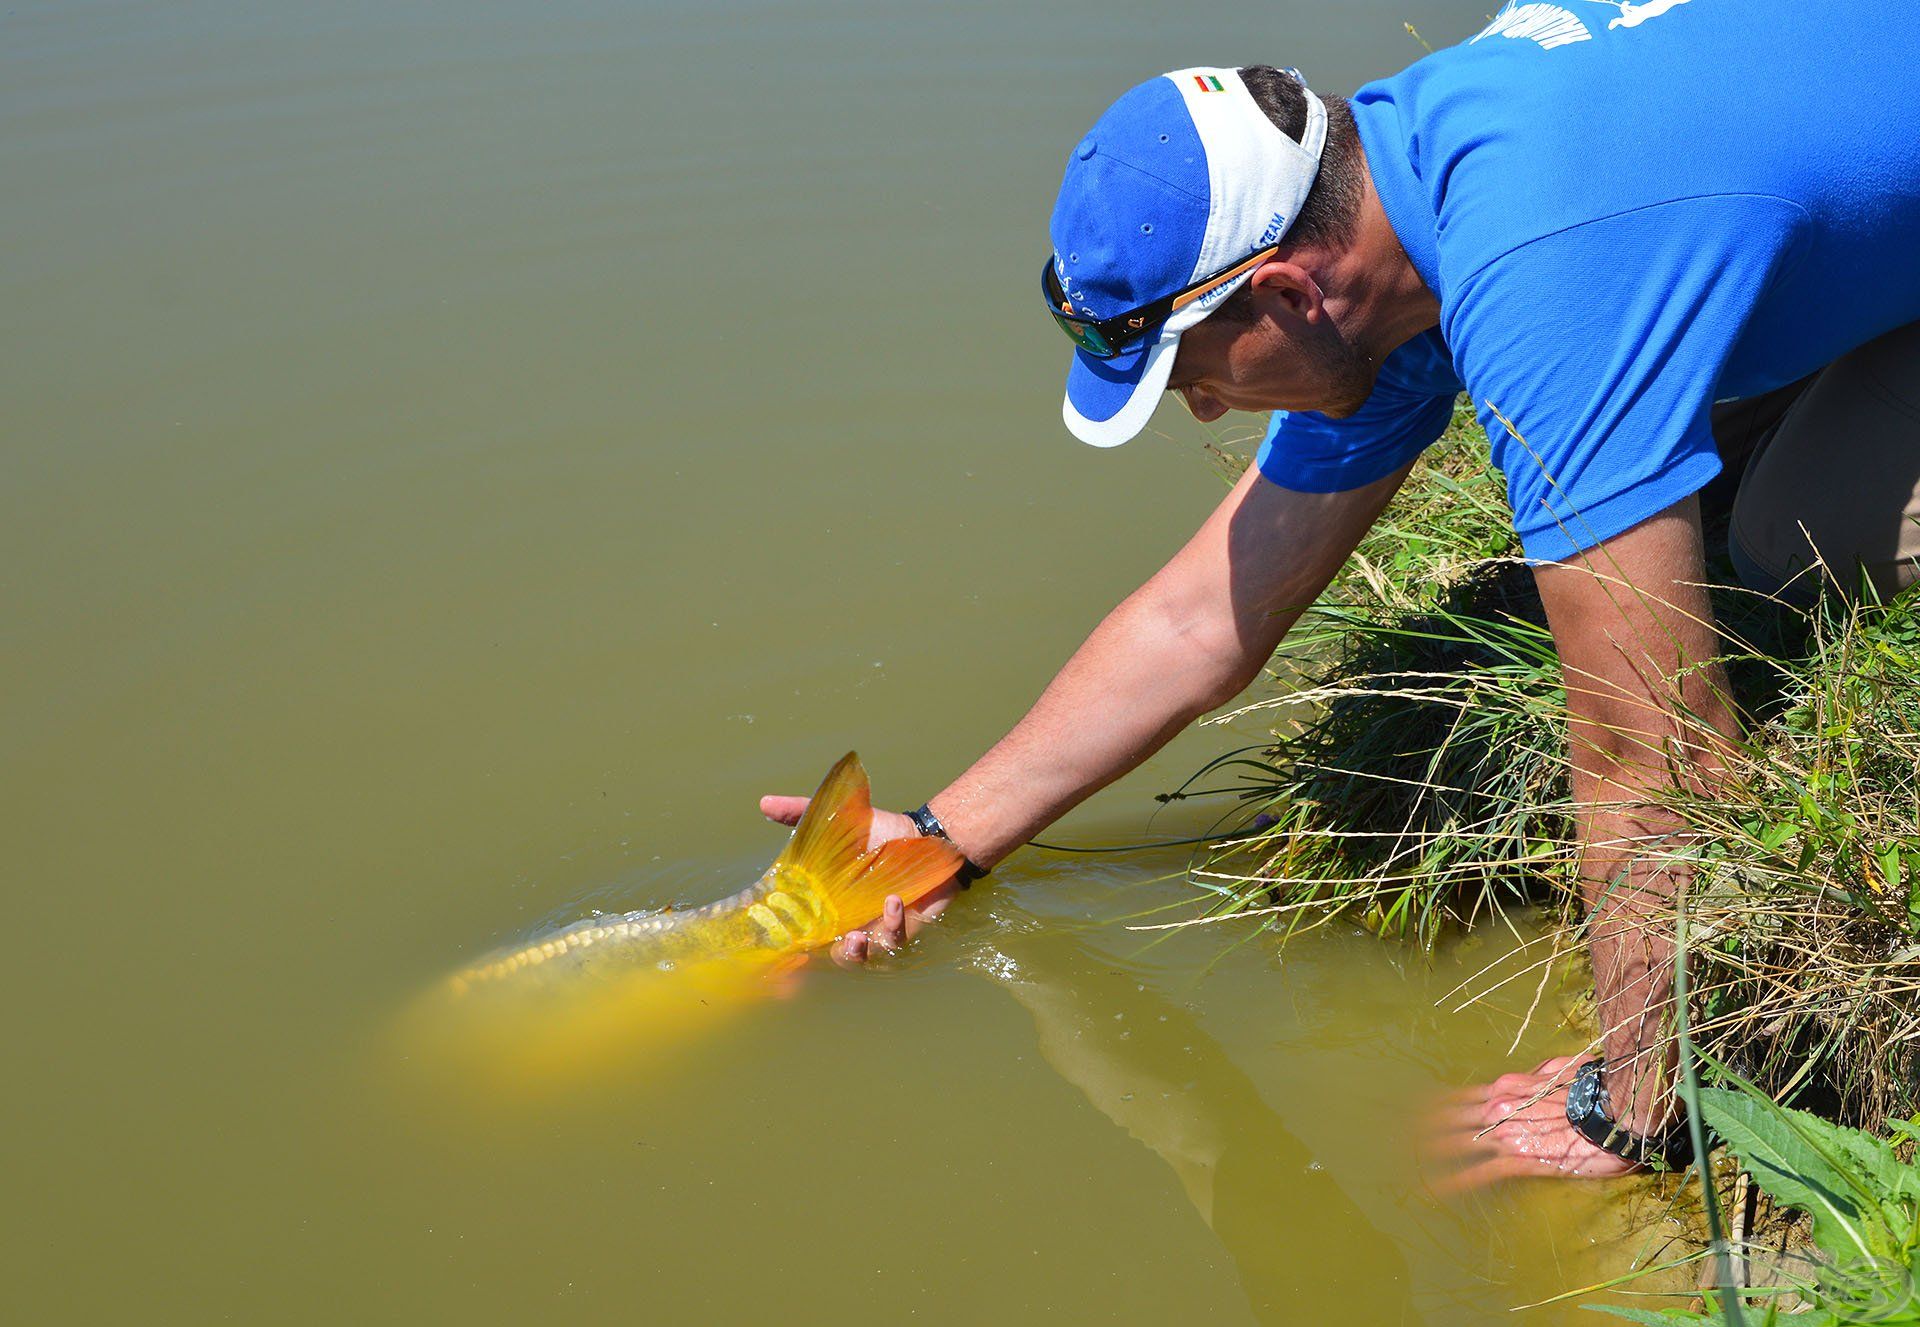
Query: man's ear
x=1291, y=285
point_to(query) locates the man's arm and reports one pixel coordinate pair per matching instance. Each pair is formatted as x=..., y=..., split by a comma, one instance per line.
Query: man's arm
x=1646, y=708
x=1189, y=640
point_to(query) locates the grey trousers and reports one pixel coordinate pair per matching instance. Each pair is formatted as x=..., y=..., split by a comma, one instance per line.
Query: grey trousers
x=1829, y=496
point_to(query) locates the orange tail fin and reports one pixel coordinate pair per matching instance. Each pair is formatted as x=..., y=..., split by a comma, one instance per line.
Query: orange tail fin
x=829, y=850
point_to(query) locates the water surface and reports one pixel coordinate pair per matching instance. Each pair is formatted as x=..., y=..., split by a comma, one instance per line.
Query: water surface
x=456, y=458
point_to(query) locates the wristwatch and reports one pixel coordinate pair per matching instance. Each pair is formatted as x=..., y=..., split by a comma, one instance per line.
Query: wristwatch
x=930, y=827
x=1591, y=1114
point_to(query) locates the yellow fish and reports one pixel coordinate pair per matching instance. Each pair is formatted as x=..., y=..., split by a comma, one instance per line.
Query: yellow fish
x=562, y=1001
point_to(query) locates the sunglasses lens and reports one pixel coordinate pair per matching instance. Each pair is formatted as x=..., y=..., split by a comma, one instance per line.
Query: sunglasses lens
x=1086, y=336
x=1081, y=332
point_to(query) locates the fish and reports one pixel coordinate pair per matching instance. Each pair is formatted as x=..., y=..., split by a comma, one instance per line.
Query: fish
x=643, y=979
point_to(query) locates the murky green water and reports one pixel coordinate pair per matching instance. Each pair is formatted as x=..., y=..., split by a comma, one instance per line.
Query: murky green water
x=456, y=457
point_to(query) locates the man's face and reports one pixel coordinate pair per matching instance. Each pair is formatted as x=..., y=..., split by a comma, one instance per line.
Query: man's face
x=1277, y=361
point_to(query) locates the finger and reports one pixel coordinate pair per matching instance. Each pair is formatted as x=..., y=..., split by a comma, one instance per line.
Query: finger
x=934, y=902
x=1457, y=1146
x=893, y=923
x=1463, y=1115
x=850, y=950
x=783, y=810
x=1483, y=1174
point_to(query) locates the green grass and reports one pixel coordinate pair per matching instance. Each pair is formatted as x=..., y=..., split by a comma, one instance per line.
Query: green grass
x=1417, y=773
x=1416, y=781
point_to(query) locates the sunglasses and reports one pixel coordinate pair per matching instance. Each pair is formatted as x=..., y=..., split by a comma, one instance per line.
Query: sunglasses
x=1105, y=338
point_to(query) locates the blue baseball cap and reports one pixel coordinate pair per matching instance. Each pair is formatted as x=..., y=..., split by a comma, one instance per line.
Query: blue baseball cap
x=1183, y=178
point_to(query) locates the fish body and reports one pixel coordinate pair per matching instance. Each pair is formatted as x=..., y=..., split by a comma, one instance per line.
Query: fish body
x=643, y=979
x=780, y=914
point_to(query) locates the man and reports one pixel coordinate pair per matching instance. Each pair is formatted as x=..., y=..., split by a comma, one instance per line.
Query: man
x=1597, y=219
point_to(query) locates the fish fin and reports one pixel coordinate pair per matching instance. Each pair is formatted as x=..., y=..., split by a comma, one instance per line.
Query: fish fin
x=831, y=840
x=829, y=851
x=907, y=867
x=783, y=978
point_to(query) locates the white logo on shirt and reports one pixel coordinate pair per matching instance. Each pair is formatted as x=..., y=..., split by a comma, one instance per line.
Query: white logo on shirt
x=1632, y=15
x=1552, y=26
x=1549, y=25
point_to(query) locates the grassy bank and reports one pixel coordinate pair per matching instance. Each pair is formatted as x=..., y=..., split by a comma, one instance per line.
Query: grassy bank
x=1416, y=781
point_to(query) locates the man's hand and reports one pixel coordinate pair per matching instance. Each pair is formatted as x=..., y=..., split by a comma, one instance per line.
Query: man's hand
x=1517, y=1126
x=897, y=923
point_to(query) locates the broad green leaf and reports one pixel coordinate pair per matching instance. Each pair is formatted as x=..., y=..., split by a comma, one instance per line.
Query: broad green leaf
x=1793, y=1157
x=1806, y=1318
x=1872, y=1161
x=1659, y=1317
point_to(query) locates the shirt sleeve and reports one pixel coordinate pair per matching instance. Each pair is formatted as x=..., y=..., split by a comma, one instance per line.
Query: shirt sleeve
x=1593, y=356
x=1407, y=411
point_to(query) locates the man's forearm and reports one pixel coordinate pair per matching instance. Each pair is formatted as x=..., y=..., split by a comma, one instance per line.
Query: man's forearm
x=1631, y=883
x=1187, y=641
x=1649, y=724
x=1139, y=679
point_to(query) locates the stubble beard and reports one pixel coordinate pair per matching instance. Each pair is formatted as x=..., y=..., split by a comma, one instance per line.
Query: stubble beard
x=1348, y=373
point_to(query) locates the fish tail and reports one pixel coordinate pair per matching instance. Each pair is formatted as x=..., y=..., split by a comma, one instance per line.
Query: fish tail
x=829, y=852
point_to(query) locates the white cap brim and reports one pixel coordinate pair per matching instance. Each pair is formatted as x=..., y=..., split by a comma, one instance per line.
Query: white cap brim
x=1094, y=384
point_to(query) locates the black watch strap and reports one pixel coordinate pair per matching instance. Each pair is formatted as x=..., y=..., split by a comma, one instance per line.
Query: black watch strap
x=930, y=827
x=1591, y=1113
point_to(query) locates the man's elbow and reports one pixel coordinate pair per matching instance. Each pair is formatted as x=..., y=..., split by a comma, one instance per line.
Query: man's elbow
x=1212, y=652
x=1235, y=670
x=1220, y=661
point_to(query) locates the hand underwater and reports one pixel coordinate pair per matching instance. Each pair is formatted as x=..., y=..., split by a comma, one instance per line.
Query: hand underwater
x=1514, y=1127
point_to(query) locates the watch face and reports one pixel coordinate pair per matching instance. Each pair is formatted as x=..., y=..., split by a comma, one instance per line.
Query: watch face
x=1587, y=1097
x=1588, y=1111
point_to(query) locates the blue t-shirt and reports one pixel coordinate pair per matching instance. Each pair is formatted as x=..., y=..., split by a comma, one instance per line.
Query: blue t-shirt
x=1629, y=211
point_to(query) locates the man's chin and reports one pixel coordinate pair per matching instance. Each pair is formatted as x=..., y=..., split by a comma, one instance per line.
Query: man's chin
x=1355, y=385
x=1345, y=407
